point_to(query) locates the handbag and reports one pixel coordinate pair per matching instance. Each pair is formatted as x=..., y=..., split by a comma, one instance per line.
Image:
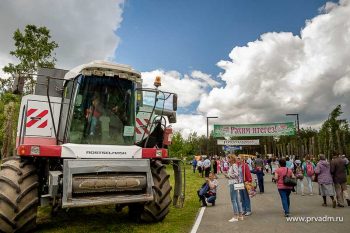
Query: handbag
x=315, y=178
x=289, y=181
x=249, y=186
x=238, y=186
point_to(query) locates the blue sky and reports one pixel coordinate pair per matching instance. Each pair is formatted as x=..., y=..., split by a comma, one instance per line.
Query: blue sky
x=196, y=34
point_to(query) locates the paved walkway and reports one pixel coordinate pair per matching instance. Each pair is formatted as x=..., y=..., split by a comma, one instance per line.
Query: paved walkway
x=268, y=213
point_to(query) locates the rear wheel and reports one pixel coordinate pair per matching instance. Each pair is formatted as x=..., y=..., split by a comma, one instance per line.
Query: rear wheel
x=18, y=196
x=156, y=210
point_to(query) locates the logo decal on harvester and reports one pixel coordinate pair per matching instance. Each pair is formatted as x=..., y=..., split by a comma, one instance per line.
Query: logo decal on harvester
x=105, y=152
x=38, y=118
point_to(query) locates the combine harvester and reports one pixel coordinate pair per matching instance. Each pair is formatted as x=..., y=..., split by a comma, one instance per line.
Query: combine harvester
x=91, y=136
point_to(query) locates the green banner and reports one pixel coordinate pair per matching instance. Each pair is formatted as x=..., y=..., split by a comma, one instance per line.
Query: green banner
x=270, y=129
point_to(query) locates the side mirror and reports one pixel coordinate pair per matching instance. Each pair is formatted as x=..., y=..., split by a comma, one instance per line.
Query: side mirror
x=175, y=102
x=158, y=99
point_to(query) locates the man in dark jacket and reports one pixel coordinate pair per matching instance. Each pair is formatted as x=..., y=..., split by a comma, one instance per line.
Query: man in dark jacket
x=259, y=171
x=338, y=172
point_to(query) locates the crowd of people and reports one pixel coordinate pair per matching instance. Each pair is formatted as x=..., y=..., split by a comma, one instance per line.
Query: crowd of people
x=288, y=173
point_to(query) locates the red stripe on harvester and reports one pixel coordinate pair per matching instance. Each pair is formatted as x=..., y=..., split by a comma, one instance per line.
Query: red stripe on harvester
x=43, y=113
x=141, y=124
x=137, y=130
x=43, y=125
x=32, y=122
x=31, y=111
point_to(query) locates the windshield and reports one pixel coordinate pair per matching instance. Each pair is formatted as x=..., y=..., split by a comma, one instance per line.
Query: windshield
x=103, y=111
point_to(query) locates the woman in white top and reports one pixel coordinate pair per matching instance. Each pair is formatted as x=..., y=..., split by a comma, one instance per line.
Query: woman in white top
x=235, y=179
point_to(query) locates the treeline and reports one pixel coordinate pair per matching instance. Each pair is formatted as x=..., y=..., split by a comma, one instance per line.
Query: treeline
x=334, y=135
x=193, y=145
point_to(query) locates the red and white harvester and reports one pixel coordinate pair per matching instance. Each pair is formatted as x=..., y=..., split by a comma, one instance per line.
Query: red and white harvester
x=91, y=136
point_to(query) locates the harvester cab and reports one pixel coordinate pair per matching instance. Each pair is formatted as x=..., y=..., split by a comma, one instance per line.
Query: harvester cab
x=91, y=136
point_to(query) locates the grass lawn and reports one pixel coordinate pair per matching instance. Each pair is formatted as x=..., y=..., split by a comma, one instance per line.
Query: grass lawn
x=106, y=219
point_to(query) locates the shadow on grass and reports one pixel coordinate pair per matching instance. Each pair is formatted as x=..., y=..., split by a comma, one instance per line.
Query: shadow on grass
x=89, y=219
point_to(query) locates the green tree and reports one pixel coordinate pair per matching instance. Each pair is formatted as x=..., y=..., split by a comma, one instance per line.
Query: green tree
x=5, y=85
x=33, y=50
x=176, y=147
x=192, y=145
x=334, y=133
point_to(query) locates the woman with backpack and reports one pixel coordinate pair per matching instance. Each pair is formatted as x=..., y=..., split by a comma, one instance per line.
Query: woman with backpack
x=283, y=189
x=309, y=172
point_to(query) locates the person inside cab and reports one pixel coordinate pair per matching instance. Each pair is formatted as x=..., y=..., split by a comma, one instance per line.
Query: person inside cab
x=92, y=114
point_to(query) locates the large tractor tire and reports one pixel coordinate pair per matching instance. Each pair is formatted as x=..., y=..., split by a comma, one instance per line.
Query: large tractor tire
x=18, y=196
x=156, y=210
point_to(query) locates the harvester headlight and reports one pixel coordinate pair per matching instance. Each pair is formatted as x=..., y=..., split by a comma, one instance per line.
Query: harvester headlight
x=87, y=72
x=109, y=73
x=22, y=150
x=159, y=153
x=98, y=72
x=35, y=150
x=123, y=75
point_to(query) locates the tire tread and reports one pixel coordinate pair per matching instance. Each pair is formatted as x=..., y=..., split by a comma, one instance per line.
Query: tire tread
x=156, y=210
x=18, y=196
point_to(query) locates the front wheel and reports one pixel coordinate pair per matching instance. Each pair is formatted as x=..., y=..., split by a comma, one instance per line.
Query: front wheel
x=18, y=196
x=156, y=210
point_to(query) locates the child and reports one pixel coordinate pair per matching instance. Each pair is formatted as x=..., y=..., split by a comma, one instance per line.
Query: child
x=267, y=167
x=226, y=166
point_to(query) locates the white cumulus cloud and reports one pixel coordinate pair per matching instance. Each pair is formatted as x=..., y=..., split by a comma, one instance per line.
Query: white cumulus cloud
x=188, y=87
x=205, y=77
x=84, y=30
x=284, y=73
x=187, y=124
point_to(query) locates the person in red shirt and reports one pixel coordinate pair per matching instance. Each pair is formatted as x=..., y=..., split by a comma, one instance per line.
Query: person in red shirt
x=284, y=190
x=93, y=114
x=244, y=170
